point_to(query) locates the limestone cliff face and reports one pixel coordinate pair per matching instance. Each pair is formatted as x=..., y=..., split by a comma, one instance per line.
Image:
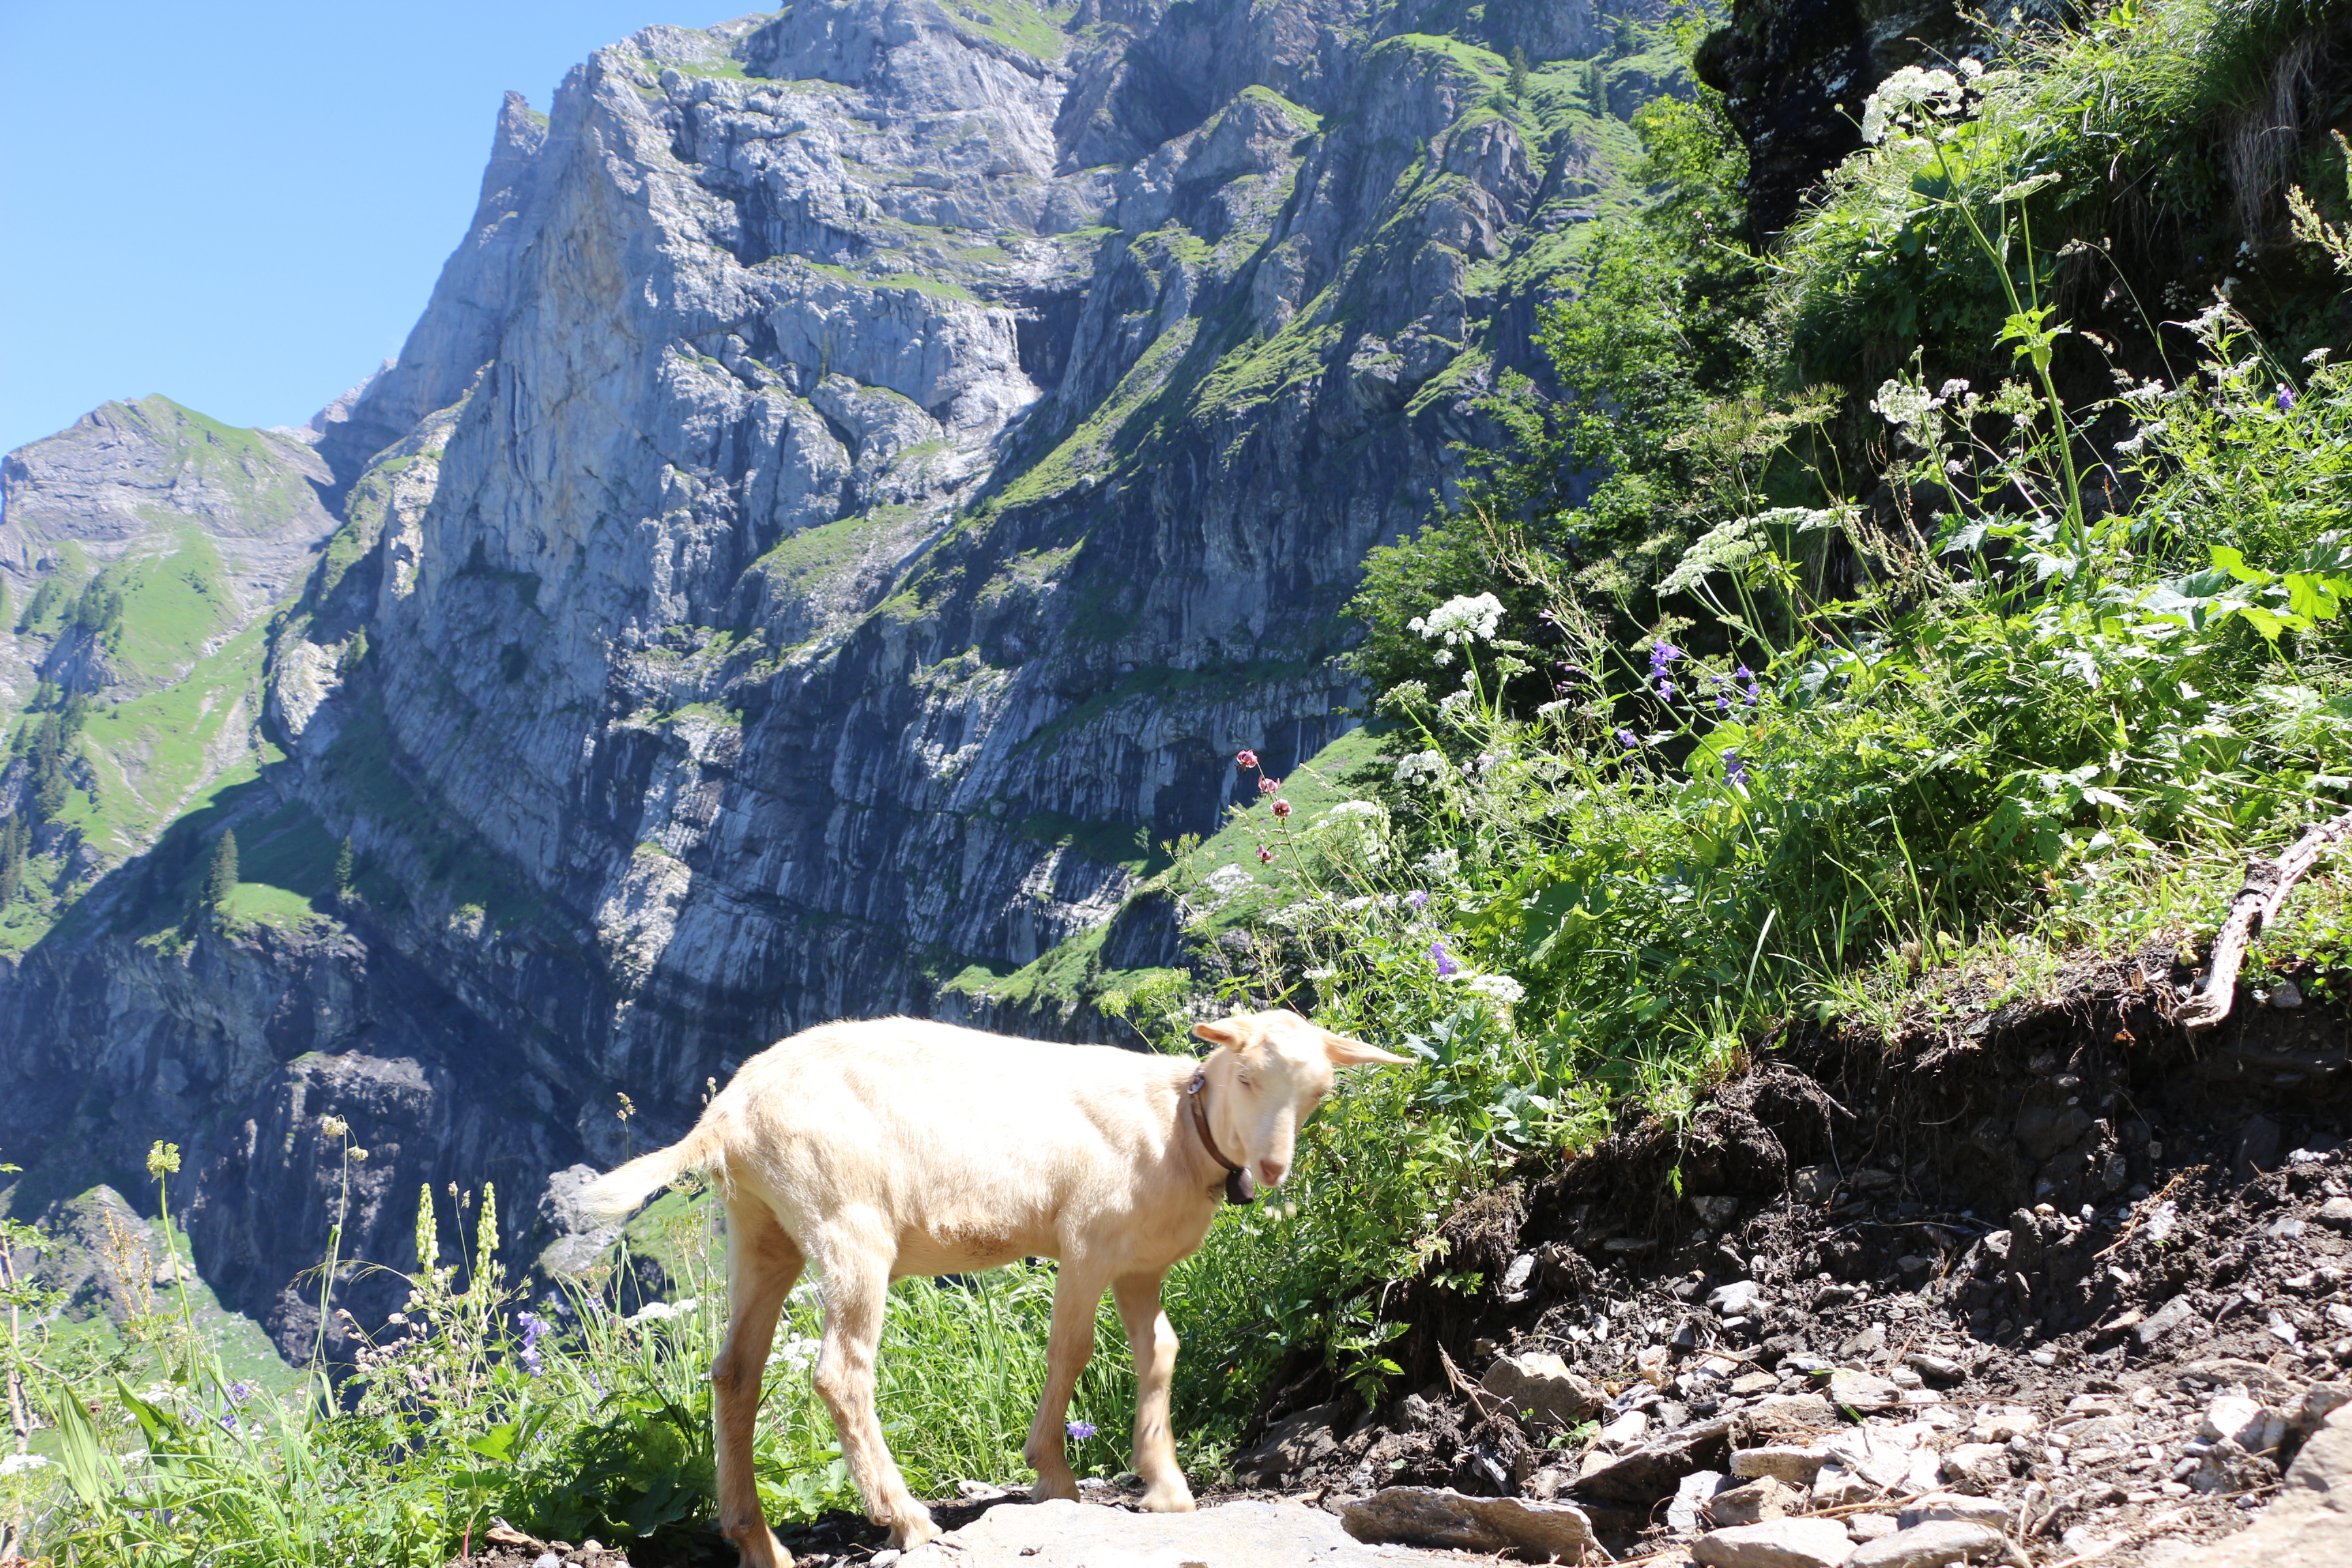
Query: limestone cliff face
x=859, y=478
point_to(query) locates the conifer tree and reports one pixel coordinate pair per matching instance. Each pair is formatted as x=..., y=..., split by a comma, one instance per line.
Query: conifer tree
x=221, y=880
x=346, y=867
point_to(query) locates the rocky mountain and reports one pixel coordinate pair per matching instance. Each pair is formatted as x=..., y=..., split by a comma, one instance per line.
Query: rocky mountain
x=861, y=475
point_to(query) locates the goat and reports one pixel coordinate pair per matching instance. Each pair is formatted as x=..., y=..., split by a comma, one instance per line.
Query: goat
x=895, y=1146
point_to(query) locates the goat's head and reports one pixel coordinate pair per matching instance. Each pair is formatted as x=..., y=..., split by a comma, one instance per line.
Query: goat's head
x=1282, y=1068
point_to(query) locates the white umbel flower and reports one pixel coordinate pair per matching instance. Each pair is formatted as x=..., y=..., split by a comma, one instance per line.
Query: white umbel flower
x=1461, y=619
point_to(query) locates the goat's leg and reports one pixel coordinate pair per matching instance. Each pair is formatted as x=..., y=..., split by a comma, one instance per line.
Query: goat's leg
x=856, y=1289
x=1153, y=1342
x=761, y=1266
x=1078, y=1291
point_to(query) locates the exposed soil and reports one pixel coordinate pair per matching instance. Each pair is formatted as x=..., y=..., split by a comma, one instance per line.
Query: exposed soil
x=2001, y=1210
x=2030, y=1245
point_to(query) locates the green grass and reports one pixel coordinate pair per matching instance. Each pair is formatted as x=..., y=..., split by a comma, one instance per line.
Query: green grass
x=1035, y=32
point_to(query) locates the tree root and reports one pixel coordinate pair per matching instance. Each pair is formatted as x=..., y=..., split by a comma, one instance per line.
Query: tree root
x=2256, y=905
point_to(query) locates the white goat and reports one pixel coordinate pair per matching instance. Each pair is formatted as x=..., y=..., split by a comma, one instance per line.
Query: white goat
x=896, y=1146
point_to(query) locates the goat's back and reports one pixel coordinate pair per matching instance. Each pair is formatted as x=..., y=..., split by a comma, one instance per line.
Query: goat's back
x=988, y=1146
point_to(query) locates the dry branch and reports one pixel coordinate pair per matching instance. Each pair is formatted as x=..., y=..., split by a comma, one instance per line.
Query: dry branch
x=2257, y=904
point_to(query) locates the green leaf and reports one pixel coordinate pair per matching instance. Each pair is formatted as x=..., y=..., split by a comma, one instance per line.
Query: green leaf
x=2228, y=559
x=497, y=1443
x=89, y=1470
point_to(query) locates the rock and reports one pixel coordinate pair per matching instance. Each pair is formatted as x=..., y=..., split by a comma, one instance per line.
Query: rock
x=1865, y=1345
x=1863, y=1528
x=1623, y=1432
x=1780, y=1543
x=1653, y=1471
x=1444, y=1519
x=2319, y=1401
x=1696, y=1490
x=1792, y=1465
x=1975, y=1465
x=1716, y=1213
x=1515, y=1277
x=1749, y=1384
x=1763, y=1498
x=1999, y=1423
x=1066, y=1534
x=1960, y=1506
x=2310, y=1525
x=1541, y=1391
x=1931, y=1545
x=1788, y=1419
x=1862, y=1390
x=2229, y=1466
x=2252, y=1425
x=1941, y=1369
x=1290, y=1446
x=2336, y=1211
x=1740, y=1299
x=1813, y=1182
x=2163, y=1321
x=2285, y=994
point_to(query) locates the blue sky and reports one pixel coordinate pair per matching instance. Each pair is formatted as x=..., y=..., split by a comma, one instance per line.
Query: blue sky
x=244, y=205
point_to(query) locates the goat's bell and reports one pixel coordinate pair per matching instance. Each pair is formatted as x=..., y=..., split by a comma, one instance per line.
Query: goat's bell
x=1239, y=1187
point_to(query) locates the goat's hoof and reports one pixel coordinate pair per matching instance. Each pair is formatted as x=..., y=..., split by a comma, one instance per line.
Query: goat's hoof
x=1172, y=1497
x=912, y=1530
x=761, y=1549
x=1048, y=1487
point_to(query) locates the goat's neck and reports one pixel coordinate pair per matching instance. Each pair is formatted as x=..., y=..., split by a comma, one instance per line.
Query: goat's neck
x=1217, y=1087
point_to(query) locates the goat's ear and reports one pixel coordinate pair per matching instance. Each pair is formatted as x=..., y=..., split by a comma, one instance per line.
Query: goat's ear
x=1347, y=1053
x=1225, y=1034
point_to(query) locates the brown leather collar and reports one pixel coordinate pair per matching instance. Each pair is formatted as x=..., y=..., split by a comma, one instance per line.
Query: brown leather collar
x=1240, y=1188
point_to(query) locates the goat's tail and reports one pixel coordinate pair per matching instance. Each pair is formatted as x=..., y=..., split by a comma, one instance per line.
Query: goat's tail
x=618, y=1193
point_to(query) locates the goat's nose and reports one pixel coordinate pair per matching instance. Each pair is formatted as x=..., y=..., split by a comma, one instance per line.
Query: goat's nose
x=1273, y=1171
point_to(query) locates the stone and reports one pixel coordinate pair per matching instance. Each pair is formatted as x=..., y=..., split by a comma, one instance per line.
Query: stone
x=1623, y=1433
x=1931, y=1545
x=1813, y=1184
x=1749, y=1384
x=1960, y=1506
x=1975, y=1465
x=1793, y=1466
x=1999, y=1423
x=1541, y=1391
x=1865, y=1345
x=1942, y=1369
x=2310, y=1524
x=1691, y=1496
x=1654, y=1470
x=1740, y=1299
x=1290, y=1446
x=1445, y=1520
x=1763, y=1498
x=2163, y=1321
x=2336, y=1211
x=1716, y=1213
x=2285, y=994
x=2319, y=1401
x=1067, y=1534
x=1516, y=1277
x=1862, y=1389
x=2251, y=1425
x=1780, y=1543
x=1861, y=1528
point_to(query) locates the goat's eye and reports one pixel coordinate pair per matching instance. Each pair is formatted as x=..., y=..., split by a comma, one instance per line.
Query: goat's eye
x=1245, y=1081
